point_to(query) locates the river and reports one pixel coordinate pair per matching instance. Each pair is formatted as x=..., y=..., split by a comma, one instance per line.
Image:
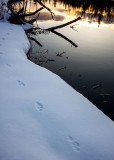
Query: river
x=89, y=67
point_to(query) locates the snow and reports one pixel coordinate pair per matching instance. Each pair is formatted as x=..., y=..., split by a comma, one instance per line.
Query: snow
x=27, y=26
x=3, y=10
x=42, y=117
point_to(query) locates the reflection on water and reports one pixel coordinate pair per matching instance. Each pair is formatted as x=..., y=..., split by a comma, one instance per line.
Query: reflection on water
x=90, y=10
x=97, y=7
x=100, y=11
x=88, y=68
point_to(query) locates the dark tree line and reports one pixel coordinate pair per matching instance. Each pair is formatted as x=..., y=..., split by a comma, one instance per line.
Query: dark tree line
x=95, y=5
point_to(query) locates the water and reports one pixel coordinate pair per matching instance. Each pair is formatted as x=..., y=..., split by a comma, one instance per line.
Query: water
x=88, y=68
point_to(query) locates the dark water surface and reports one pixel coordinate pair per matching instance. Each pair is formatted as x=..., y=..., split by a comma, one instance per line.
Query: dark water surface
x=88, y=68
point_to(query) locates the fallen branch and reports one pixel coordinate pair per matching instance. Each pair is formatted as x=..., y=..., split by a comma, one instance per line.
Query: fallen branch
x=15, y=15
x=63, y=25
x=35, y=41
x=17, y=18
x=59, y=34
x=52, y=14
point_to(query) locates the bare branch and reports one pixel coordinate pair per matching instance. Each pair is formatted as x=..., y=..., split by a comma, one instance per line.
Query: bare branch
x=52, y=14
x=59, y=34
x=63, y=25
x=35, y=41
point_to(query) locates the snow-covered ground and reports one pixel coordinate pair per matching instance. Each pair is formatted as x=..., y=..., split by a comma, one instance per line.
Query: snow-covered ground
x=42, y=117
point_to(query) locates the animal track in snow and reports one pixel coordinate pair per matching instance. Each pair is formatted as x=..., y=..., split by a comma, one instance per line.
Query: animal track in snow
x=10, y=28
x=75, y=145
x=20, y=83
x=9, y=65
x=3, y=38
x=8, y=33
x=39, y=106
x=1, y=53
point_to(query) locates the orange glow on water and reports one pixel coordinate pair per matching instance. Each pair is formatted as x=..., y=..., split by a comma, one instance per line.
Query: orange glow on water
x=65, y=13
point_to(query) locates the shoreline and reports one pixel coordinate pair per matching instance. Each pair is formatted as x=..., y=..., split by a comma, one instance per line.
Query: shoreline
x=42, y=116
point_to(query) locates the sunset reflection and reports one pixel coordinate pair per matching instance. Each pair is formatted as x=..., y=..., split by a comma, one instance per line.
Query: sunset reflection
x=67, y=13
x=66, y=10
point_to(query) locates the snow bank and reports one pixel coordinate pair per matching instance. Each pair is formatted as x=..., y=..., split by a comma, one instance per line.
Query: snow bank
x=42, y=117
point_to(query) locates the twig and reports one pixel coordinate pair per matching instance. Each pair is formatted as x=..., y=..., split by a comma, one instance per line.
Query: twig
x=105, y=94
x=59, y=54
x=73, y=28
x=97, y=86
x=50, y=59
x=52, y=14
x=61, y=68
